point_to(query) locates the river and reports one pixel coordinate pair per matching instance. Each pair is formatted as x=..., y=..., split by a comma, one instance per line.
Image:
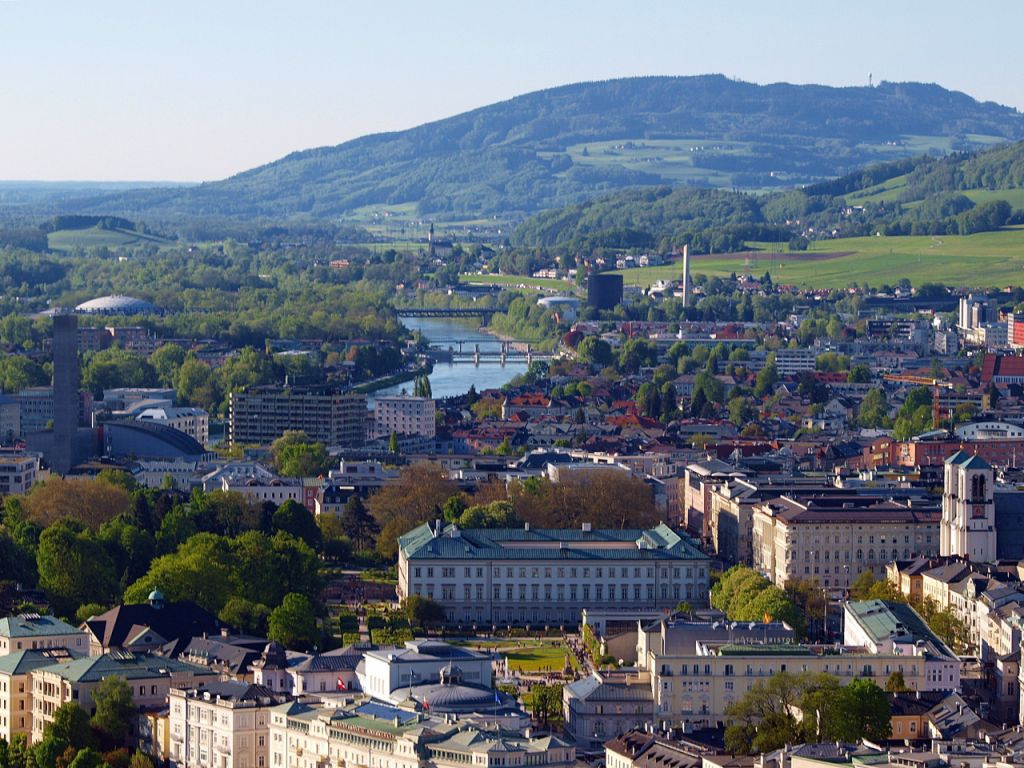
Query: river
x=455, y=378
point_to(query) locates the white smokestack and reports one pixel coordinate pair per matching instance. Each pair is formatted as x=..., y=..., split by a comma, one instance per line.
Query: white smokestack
x=686, y=275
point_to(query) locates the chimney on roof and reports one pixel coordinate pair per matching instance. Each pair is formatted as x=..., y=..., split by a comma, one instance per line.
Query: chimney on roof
x=587, y=527
x=437, y=527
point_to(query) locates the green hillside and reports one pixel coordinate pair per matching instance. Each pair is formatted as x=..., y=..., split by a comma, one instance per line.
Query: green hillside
x=964, y=193
x=985, y=260
x=570, y=144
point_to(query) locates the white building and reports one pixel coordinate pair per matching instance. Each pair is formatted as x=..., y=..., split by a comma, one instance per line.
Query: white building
x=548, y=576
x=307, y=735
x=149, y=677
x=30, y=632
x=968, y=524
x=790, y=361
x=194, y=422
x=895, y=629
x=18, y=472
x=404, y=415
x=221, y=725
x=388, y=674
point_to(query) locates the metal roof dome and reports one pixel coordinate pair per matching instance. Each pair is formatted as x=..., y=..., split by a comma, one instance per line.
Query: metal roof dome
x=117, y=305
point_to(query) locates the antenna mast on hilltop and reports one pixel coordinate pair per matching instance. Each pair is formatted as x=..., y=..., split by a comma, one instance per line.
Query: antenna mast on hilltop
x=869, y=80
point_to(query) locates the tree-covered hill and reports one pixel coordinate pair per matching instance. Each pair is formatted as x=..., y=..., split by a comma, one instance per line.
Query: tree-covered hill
x=570, y=144
x=963, y=193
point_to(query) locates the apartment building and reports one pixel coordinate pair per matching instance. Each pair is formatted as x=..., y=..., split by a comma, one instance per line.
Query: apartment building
x=16, y=688
x=404, y=415
x=222, y=724
x=641, y=749
x=793, y=361
x=31, y=631
x=149, y=677
x=833, y=539
x=260, y=415
x=548, y=576
x=699, y=480
x=18, y=472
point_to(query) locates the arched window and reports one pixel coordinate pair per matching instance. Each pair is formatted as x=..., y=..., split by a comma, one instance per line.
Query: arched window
x=860, y=554
x=978, y=488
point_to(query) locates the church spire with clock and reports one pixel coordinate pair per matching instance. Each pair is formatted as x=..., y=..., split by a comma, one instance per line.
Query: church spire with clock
x=968, y=526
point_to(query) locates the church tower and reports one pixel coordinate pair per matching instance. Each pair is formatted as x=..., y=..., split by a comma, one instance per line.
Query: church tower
x=968, y=527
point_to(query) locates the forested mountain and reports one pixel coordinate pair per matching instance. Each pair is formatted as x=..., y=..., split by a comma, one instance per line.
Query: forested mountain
x=570, y=144
x=962, y=193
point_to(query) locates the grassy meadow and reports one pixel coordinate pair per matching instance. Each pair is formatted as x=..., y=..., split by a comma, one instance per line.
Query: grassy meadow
x=94, y=237
x=987, y=259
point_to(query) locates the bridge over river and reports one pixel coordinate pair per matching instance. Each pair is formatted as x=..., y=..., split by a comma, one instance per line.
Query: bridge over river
x=481, y=312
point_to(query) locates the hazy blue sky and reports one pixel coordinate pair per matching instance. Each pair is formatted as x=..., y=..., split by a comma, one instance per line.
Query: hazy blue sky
x=195, y=90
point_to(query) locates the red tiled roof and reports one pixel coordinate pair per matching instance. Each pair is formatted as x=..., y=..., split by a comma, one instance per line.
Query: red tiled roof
x=1001, y=365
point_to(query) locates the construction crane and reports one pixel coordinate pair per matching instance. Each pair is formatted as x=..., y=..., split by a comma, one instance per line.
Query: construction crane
x=924, y=381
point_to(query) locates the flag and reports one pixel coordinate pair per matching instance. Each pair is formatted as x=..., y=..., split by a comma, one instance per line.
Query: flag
x=497, y=698
x=341, y=685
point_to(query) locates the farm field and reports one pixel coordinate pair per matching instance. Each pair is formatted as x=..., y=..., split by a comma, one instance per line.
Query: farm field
x=987, y=259
x=94, y=237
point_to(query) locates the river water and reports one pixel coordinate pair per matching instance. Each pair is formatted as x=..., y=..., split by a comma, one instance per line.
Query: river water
x=455, y=378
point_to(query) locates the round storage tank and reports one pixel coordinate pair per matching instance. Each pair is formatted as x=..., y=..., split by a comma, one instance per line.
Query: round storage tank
x=604, y=290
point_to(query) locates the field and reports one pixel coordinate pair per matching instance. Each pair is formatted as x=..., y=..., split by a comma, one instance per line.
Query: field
x=66, y=239
x=518, y=281
x=988, y=259
x=529, y=655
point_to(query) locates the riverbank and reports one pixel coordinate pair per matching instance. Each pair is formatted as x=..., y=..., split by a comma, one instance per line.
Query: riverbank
x=454, y=378
x=394, y=379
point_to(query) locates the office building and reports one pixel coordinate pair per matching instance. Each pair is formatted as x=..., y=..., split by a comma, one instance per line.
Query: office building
x=261, y=415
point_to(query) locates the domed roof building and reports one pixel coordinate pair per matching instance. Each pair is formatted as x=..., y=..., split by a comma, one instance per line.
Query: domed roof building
x=118, y=305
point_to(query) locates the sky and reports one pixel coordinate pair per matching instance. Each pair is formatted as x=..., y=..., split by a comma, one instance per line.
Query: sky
x=198, y=90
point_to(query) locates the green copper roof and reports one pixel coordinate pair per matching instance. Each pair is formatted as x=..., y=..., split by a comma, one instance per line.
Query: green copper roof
x=33, y=625
x=573, y=544
x=124, y=664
